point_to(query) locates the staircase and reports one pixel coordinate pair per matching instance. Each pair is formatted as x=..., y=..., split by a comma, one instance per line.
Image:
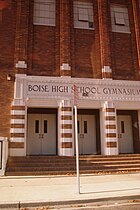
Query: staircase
x=56, y=165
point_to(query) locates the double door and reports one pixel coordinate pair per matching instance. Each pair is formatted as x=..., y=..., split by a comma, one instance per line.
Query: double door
x=125, y=137
x=41, y=134
x=86, y=134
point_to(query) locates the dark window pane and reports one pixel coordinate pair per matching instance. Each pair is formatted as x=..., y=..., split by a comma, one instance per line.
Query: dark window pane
x=78, y=126
x=45, y=126
x=85, y=126
x=122, y=127
x=37, y=126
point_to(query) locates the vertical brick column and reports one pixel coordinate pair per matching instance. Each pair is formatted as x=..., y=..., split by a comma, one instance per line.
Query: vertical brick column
x=104, y=32
x=109, y=129
x=17, y=131
x=65, y=58
x=136, y=14
x=21, y=41
x=66, y=125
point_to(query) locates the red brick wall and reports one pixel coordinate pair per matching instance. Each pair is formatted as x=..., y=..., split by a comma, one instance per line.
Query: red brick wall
x=84, y=53
x=85, y=48
x=44, y=50
x=7, y=45
x=124, y=51
x=122, y=57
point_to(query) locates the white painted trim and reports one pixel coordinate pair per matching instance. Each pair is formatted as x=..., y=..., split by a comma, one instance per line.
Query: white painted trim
x=111, y=139
x=21, y=64
x=65, y=67
x=17, y=130
x=18, y=112
x=110, y=114
x=106, y=69
x=67, y=152
x=110, y=130
x=17, y=152
x=15, y=139
x=66, y=130
x=110, y=122
x=17, y=121
x=111, y=151
x=67, y=113
x=66, y=139
x=66, y=121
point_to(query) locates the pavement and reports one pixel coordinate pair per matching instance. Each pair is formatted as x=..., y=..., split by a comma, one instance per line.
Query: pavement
x=32, y=191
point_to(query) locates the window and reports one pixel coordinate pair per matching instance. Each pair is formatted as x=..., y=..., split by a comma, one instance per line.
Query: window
x=36, y=126
x=45, y=126
x=44, y=12
x=120, y=19
x=83, y=15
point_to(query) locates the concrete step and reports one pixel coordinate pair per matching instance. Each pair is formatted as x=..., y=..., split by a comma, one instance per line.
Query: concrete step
x=70, y=172
x=41, y=165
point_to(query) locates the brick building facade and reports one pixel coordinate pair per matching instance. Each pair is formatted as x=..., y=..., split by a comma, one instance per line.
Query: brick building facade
x=47, y=48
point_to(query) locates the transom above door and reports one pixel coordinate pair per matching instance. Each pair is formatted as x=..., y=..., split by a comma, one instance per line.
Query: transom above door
x=41, y=134
x=86, y=134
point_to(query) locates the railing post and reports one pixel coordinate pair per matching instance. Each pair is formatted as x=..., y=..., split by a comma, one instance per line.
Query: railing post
x=3, y=154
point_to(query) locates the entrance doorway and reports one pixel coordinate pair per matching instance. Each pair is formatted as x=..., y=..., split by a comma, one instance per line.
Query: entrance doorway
x=41, y=134
x=87, y=134
x=125, y=136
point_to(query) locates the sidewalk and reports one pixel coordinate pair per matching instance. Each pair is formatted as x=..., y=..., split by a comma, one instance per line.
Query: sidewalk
x=39, y=190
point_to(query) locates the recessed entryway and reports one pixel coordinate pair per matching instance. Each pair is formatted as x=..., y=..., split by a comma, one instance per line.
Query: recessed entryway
x=41, y=134
x=125, y=136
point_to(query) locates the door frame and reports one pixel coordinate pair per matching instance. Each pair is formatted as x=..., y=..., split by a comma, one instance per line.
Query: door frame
x=135, y=129
x=87, y=145
x=125, y=134
x=96, y=113
x=31, y=110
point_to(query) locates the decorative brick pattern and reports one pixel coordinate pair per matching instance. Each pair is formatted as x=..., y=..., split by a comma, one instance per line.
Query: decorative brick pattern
x=17, y=130
x=106, y=72
x=66, y=122
x=16, y=145
x=110, y=128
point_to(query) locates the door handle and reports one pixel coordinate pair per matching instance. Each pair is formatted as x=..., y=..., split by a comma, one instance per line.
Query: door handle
x=119, y=135
x=81, y=136
x=41, y=136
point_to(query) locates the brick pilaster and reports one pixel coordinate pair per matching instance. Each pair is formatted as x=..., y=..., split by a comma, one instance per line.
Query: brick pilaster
x=136, y=15
x=21, y=41
x=65, y=58
x=17, y=130
x=110, y=129
x=103, y=10
x=66, y=126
